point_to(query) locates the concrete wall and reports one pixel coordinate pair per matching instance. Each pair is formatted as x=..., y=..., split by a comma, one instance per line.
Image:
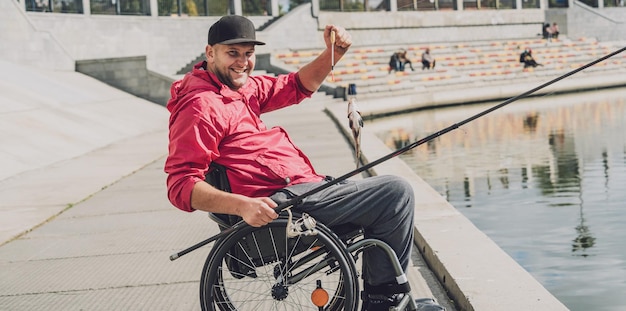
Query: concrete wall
x=580, y=20
x=23, y=43
x=169, y=43
x=129, y=74
x=282, y=34
x=381, y=28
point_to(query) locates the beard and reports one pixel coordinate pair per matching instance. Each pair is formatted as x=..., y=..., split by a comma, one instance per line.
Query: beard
x=225, y=76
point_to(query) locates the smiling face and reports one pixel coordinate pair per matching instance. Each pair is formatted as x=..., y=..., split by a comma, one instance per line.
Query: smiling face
x=231, y=63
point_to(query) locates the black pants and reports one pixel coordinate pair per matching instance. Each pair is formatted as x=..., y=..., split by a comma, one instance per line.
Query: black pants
x=382, y=205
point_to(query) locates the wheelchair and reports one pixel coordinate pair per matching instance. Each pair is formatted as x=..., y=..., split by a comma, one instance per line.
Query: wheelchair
x=292, y=263
x=289, y=265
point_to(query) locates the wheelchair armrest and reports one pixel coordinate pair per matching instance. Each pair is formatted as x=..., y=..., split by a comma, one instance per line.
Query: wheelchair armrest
x=220, y=219
x=217, y=177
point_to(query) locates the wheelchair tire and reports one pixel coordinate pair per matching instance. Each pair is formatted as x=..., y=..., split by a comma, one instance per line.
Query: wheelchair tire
x=259, y=269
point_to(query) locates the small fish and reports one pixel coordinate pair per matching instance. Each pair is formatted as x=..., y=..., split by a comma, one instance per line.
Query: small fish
x=356, y=123
x=332, y=55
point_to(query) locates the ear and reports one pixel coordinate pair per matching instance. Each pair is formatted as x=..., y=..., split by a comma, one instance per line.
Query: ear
x=208, y=52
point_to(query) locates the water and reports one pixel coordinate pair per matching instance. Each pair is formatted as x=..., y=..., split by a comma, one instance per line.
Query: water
x=545, y=178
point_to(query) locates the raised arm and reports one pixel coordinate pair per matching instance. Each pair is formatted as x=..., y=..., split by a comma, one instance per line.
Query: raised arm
x=313, y=74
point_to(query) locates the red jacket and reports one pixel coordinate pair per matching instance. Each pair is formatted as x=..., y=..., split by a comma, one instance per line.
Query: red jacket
x=210, y=122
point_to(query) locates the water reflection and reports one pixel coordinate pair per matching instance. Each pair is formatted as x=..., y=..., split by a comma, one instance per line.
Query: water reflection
x=584, y=239
x=530, y=122
x=399, y=138
x=536, y=176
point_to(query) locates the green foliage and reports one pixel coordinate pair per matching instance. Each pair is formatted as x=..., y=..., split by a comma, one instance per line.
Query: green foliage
x=253, y=7
x=330, y=5
x=194, y=7
x=167, y=7
x=190, y=8
x=355, y=6
x=348, y=5
x=295, y=3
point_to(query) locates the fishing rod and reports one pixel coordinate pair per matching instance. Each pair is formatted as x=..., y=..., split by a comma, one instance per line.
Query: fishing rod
x=296, y=200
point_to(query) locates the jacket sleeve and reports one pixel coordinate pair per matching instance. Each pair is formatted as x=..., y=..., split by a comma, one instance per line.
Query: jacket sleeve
x=279, y=92
x=193, y=141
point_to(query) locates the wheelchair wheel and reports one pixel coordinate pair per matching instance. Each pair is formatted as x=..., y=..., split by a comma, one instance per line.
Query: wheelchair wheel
x=260, y=269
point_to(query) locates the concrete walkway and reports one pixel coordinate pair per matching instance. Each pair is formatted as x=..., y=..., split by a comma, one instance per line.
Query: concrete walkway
x=84, y=219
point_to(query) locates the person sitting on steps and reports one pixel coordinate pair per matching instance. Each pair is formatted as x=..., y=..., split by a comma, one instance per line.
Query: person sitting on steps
x=394, y=62
x=554, y=31
x=527, y=58
x=399, y=60
x=404, y=60
x=428, y=62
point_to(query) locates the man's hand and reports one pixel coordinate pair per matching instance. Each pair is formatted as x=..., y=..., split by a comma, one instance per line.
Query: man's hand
x=313, y=74
x=255, y=211
x=343, y=40
x=258, y=212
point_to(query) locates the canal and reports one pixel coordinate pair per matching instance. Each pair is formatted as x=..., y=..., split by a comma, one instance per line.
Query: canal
x=544, y=177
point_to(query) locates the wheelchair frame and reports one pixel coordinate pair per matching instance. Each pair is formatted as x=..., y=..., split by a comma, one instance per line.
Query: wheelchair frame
x=289, y=265
x=276, y=266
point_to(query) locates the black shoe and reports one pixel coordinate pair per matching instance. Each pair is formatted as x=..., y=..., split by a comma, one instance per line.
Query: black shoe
x=377, y=303
x=428, y=304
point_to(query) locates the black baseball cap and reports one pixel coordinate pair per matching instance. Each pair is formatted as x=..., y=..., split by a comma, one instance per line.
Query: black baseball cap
x=232, y=29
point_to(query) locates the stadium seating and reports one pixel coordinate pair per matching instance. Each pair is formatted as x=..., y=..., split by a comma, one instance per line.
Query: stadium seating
x=458, y=64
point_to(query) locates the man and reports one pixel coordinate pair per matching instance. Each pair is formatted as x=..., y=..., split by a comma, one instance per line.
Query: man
x=554, y=30
x=404, y=60
x=215, y=113
x=527, y=58
x=428, y=62
x=394, y=62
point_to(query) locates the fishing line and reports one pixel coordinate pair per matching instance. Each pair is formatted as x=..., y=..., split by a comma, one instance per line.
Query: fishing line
x=296, y=200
